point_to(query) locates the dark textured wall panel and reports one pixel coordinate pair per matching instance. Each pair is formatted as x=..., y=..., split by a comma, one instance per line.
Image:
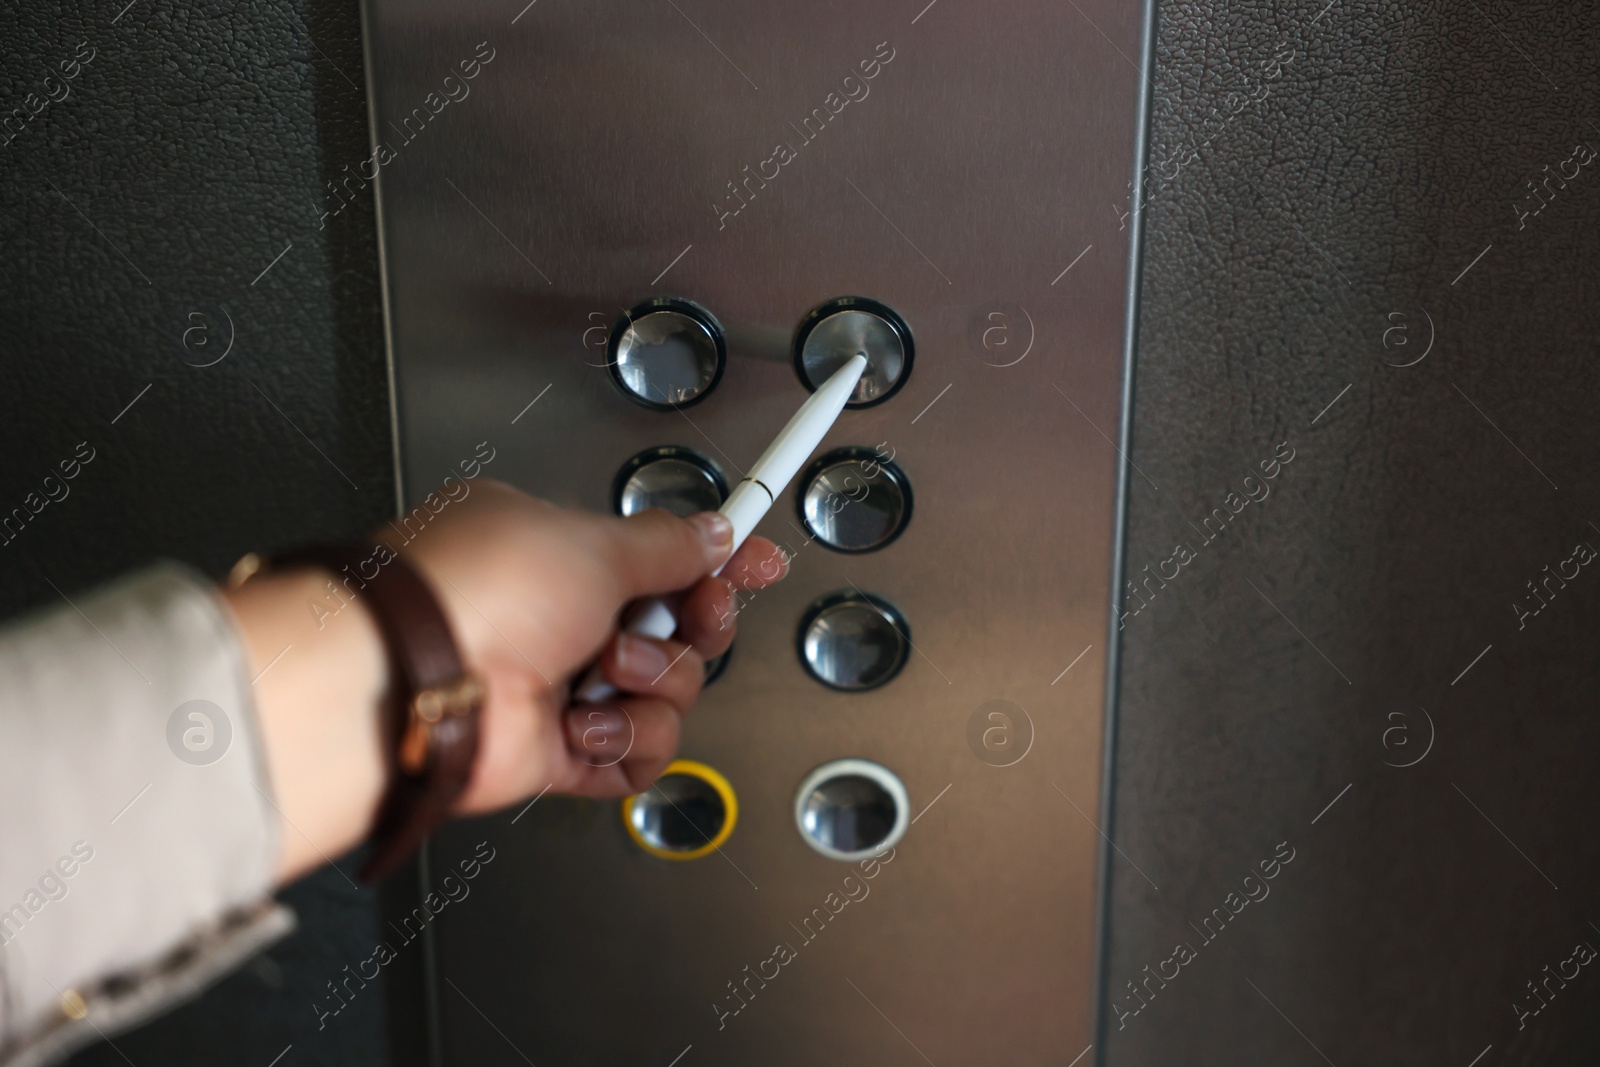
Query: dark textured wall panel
x=181, y=161
x=1311, y=224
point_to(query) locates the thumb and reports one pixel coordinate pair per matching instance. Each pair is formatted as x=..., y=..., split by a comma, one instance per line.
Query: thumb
x=657, y=552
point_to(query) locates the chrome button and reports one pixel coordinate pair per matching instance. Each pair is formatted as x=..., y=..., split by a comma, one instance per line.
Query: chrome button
x=854, y=499
x=831, y=334
x=678, y=479
x=853, y=641
x=850, y=809
x=667, y=353
x=686, y=813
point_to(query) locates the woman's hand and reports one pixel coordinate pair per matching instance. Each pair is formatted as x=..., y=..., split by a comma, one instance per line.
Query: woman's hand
x=533, y=593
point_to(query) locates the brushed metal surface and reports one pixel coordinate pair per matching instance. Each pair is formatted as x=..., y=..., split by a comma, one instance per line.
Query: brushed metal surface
x=972, y=184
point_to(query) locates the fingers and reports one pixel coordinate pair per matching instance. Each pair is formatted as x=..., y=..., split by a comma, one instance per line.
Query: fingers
x=657, y=552
x=667, y=670
x=758, y=564
x=707, y=614
x=620, y=746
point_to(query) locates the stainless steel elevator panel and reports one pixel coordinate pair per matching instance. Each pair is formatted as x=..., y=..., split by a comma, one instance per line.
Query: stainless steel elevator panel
x=966, y=167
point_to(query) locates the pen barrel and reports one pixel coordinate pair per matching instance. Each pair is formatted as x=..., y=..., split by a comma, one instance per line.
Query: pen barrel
x=744, y=508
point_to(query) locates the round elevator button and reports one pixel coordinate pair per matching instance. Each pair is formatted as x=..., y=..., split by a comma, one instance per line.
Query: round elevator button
x=850, y=809
x=854, y=499
x=853, y=641
x=667, y=353
x=836, y=331
x=687, y=813
x=672, y=477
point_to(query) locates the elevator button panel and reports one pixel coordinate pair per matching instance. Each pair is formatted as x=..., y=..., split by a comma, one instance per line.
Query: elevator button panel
x=667, y=353
x=853, y=641
x=850, y=809
x=674, y=257
x=854, y=499
x=678, y=479
x=831, y=334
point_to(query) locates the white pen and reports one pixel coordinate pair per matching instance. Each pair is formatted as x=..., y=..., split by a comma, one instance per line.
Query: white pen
x=749, y=501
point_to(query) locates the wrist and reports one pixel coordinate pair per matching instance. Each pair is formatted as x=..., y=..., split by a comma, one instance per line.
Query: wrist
x=320, y=677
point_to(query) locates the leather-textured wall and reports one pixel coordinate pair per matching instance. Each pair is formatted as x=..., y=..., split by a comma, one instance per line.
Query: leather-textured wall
x=1323, y=175
x=186, y=147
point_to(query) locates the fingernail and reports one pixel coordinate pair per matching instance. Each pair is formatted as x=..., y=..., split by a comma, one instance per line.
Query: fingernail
x=640, y=657
x=716, y=532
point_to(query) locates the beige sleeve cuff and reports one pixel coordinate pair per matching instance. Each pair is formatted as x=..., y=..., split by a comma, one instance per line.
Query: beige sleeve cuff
x=138, y=841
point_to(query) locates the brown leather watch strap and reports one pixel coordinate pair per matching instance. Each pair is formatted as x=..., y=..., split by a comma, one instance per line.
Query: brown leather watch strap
x=431, y=727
